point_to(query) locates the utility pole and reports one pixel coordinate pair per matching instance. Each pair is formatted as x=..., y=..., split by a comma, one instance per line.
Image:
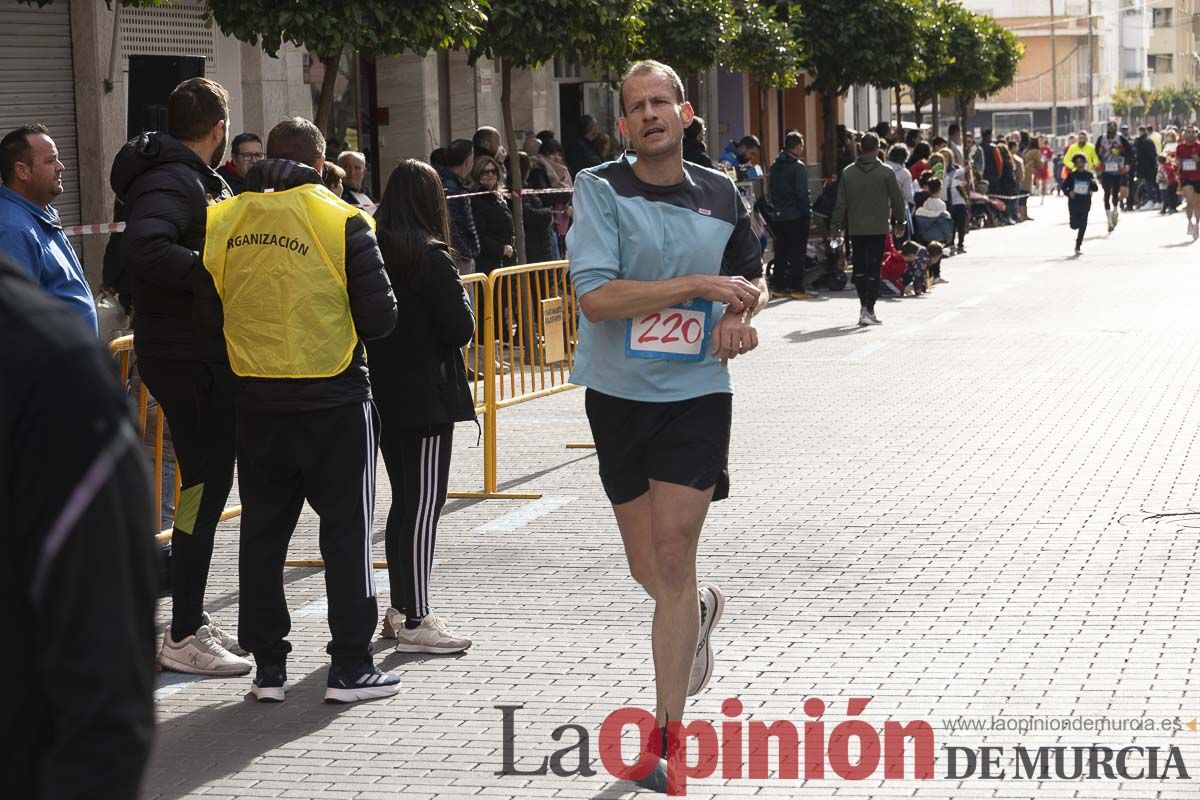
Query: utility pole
x=1053, y=76
x=1091, y=68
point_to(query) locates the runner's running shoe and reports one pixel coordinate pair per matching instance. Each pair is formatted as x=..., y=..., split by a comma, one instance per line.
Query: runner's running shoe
x=712, y=605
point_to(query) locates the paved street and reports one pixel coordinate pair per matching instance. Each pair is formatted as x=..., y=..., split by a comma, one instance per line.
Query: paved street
x=986, y=506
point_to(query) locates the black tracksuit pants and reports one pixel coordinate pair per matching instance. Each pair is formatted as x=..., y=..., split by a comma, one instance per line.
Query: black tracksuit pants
x=326, y=457
x=866, y=254
x=418, y=466
x=196, y=398
x=958, y=213
x=791, y=252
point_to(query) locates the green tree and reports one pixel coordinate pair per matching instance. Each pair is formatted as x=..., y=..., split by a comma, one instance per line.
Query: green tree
x=372, y=27
x=845, y=44
x=1191, y=100
x=1180, y=104
x=524, y=34
x=940, y=62
x=687, y=34
x=1124, y=100
x=762, y=46
x=1006, y=54
x=988, y=56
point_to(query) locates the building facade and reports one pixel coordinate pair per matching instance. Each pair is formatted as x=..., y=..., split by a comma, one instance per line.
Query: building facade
x=1077, y=52
x=1173, y=59
x=98, y=76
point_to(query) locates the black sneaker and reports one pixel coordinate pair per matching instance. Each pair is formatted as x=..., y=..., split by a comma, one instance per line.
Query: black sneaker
x=269, y=684
x=363, y=682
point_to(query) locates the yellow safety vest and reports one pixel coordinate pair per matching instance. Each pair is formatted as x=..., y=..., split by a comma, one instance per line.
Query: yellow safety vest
x=278, y=260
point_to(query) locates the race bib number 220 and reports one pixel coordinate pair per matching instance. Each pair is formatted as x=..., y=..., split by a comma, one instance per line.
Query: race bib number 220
x=678, y=333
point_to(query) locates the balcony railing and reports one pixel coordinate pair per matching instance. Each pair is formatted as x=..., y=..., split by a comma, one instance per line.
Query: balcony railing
x=1040, y=89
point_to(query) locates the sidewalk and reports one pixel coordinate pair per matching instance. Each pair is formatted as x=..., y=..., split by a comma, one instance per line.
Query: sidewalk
x=952, y=513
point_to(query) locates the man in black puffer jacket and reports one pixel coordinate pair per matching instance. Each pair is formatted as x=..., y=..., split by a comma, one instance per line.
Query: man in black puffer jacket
x=302, y=283
x=166, y=182
x=78, y=562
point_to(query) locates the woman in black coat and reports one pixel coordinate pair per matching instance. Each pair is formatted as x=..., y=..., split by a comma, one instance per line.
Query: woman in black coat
x=420, y=386
x=493, y=220
x=536, y=212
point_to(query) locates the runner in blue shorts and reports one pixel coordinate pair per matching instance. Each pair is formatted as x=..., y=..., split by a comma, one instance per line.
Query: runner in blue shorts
x=668, y=273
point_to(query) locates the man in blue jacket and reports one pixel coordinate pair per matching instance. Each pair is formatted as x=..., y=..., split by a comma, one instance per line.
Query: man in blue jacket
x=30, y=231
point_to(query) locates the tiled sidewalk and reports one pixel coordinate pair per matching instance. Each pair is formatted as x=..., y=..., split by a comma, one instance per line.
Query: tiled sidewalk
x=952, y=514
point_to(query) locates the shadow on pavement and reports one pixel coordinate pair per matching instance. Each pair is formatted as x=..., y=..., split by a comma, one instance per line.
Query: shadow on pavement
x=293, y=574
x=618, y=790
x=221, y=740
x=824, y=333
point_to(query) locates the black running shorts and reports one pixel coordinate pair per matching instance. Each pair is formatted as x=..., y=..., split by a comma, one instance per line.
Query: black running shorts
x=1194, y=184
x=684, y=442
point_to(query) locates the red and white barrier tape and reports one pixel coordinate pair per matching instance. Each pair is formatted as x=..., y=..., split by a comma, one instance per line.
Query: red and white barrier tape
x=87, y=230
x=117, y=227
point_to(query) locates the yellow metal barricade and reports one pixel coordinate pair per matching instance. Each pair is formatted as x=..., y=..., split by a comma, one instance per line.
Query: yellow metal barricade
x=532, y=325
x=121, y=348
x=477, y=287
x=523, y=348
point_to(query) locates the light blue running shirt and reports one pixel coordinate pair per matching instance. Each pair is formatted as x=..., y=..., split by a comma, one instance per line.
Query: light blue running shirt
x=627, y=229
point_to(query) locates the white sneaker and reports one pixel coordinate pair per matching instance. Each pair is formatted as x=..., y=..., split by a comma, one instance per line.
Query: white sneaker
x=939, y=280
x=228, y=641
x=392, y=621
x=864, y=318
x=712, y=604
x=872, y=319
x=430, y=636
x=200, y=654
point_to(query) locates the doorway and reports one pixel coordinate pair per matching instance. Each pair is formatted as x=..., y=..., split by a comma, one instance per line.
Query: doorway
x=151, y=81
x=570, y=109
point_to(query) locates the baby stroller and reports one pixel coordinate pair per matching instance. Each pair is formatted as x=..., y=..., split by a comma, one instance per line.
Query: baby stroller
x=828, y=255
x=933, y=229
x=817, y=273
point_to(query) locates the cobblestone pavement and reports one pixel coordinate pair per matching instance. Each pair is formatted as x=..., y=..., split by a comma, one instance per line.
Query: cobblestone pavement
x=986, y=506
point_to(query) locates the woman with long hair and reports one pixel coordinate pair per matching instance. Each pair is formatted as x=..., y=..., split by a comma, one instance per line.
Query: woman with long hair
x=493, y=220
x=1007, y=186
x=420, y=386
x=918, y=159
x=552, y=159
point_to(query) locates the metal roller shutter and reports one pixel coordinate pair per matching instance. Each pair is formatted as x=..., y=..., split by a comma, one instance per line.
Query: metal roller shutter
x=37, y=84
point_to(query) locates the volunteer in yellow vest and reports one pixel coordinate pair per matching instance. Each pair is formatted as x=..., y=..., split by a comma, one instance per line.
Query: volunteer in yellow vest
x=1082, y=145
x=301, y=283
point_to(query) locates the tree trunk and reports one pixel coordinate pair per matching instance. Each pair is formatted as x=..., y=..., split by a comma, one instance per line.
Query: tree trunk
x=899, y=113
x=762, y=120
x=332, y=64
x=918, y=102
x=962, y=114
x=936, y=116
x=514, y=160
x=832, y=145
